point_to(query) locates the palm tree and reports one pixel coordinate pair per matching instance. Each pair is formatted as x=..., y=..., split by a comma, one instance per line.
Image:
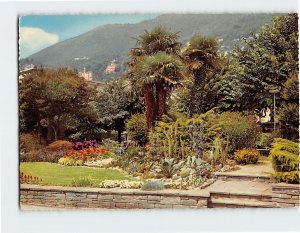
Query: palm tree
x=159, y=74
x=153, y=89
x=201, y=56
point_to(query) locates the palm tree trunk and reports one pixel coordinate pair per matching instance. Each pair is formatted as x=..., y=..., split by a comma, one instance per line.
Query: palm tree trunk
x=161, y=102
x=150, y=105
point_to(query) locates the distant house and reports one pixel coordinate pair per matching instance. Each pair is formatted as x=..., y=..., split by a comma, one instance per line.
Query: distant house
x=111, y=68
x=87, y=75
x=25, y=71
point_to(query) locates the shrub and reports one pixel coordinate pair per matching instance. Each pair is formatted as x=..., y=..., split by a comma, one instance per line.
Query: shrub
x=121, y=184
x=246, y=156
x=82, y=182
x=136, y=128
x=240, y=131
x=29, y=142
x=153, y=185
x=173, y=139
x=58, y=145
x=266, y=139
x=84, y=144
x=285, y=160
x=170, y=167
x=111, y=145
x=43, y=155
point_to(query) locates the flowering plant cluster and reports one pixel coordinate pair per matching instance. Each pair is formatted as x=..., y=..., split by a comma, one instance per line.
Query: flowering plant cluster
x=86, y=153
x=84, y=144
x=26, y=178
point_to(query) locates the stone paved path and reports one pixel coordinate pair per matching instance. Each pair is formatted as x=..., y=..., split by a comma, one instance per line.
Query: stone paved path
x=241, y=187
x=263, y=167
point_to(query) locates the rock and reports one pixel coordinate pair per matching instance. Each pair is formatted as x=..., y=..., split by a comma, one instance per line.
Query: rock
x=225, y=168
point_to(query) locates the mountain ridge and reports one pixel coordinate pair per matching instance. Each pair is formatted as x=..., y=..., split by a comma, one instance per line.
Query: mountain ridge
x=105, y=43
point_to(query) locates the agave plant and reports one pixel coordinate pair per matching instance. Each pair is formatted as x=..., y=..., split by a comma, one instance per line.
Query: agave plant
x=170, y=167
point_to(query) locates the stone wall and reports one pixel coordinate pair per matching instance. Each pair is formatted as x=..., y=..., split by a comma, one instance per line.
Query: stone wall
x=69, y=197
x=285, y=195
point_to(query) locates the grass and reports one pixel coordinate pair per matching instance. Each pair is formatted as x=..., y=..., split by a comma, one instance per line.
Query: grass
x=55, y=174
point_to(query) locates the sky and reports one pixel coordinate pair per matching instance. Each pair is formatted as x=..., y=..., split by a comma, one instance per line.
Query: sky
x=40, y=31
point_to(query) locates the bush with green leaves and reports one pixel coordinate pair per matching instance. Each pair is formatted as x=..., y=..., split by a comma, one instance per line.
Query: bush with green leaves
x=246, y=156
x=82, y=182
x=136, y=127
x=153, y=185
x=285, y=160
x=240, y=131
x=176, y=139
x=70, y=162
x=170, y=167
x=29, y=142
x=111, y=145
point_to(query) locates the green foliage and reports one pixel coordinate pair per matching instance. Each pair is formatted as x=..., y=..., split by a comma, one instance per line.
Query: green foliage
x=285, y=159
x=29, y=142
x=170, y=167
x=54, y=100
x=267, y=58
x=153, y=185
x=240, y=131
x=289, y=110
x=155, y=68
x=70, y=162
x=111, y=145
x=266, y=139
x=43, y=155
x=136, y=127
x=291, y=177
x=217, y=150
x=203, y=60
x=173, y=139
x=114, y=105
x=82, y=182
x=246, y=156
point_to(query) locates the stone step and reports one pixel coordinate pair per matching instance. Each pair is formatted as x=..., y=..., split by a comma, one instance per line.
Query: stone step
x=238, y=203
x=242, y=177
x=258, y=196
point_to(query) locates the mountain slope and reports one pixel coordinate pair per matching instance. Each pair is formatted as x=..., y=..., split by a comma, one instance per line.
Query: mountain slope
x=95, y=49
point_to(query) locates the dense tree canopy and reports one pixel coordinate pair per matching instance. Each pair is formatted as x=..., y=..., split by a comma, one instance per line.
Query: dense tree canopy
x=267, y=59
x=55, y=99
x=114, y=104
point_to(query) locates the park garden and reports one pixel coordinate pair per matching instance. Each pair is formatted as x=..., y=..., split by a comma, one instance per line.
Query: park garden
x=177, y=116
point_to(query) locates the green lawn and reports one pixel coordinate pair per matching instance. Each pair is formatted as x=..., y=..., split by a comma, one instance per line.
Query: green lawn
x=55, y=174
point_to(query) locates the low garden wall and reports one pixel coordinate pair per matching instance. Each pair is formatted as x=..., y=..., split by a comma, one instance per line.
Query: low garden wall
x=110, y=198
x=285, y=195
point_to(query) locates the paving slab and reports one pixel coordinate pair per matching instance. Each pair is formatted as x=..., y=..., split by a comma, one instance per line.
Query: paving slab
x=241, y=187
x=263, y=167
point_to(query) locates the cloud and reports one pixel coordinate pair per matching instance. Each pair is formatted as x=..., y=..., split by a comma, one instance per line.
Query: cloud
x=34, y=39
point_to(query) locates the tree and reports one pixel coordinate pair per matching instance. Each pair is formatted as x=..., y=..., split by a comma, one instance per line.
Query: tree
x=55, y=99
x=267, y=58
x=163, y=72
x=153, y=89
x=289, y=110
x=203, y=61
x=114, y=105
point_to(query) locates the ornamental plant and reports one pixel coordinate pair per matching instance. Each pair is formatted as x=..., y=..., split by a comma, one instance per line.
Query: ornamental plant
x=84, y=144
x=29, y=179
x=246, y=156
x=78, y=157
x=285, y=160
